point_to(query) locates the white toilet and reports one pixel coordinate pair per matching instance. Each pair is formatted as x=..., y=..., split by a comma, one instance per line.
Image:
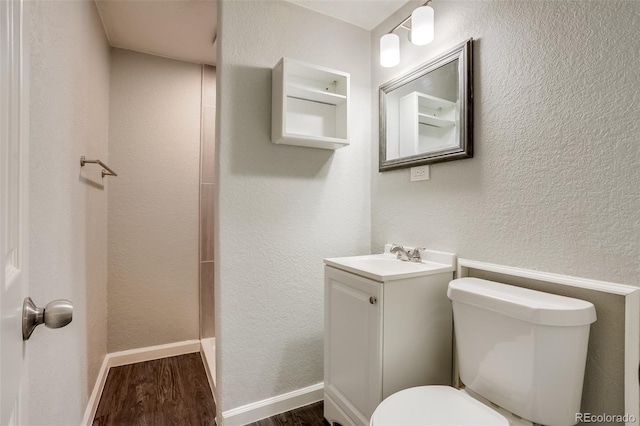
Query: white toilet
x=521, y=357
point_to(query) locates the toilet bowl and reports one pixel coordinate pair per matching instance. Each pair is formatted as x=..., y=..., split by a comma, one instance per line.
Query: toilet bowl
x=437, y=406
x=521, y=357
x=443, y=406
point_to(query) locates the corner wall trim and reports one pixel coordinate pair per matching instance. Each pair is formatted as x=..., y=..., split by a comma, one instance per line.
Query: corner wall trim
x=271, y=406
x=94, y=398
x=208, y=354
x=132, y=356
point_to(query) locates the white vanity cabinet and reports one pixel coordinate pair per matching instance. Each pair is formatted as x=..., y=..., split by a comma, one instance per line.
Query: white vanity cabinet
x=382, y=334
x=310, y=105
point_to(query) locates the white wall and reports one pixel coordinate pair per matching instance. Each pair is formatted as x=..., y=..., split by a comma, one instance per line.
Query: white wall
x=154, y=146
x=69, y=107
x=555, y=183
x=280, y=208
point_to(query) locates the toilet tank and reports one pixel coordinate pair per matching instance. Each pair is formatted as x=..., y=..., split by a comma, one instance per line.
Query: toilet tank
x=521, y=349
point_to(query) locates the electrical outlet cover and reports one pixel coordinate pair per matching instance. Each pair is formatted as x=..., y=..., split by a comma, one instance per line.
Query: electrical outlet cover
x=419, y=173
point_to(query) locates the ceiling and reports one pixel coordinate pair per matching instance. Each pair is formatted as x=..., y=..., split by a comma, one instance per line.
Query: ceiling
x=186, y=29
x=177, y=29
x=367, y=14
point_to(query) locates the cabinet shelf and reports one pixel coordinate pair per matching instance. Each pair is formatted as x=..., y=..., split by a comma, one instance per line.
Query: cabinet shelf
x=299, y=91
x=310, y=105
x=312, y=141
x=433, y=102
x=430, y=120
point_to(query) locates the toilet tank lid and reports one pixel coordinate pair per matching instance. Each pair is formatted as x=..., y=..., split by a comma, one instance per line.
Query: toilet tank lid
x=522, y=303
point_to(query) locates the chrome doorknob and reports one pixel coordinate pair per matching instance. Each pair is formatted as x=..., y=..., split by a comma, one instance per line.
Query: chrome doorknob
x=55, y=315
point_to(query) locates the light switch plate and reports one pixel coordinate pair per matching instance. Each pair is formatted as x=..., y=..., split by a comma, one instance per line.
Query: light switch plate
x=419, y=173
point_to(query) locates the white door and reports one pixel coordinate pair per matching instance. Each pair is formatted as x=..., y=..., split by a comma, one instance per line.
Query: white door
x=13, y=214
x=353, y=343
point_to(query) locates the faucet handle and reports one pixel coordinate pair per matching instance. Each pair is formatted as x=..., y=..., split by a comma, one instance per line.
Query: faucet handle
x=414, y=255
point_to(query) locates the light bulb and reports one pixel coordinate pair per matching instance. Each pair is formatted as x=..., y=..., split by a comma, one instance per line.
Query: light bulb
x=389, y=50
x=422, y=26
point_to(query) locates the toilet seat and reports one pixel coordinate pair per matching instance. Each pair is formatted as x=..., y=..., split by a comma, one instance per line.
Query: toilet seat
x=434, y=405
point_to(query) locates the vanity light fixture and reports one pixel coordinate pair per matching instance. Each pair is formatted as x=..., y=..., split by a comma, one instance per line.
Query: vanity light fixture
x=422, y=26
x=389, y=50
x=421, y=32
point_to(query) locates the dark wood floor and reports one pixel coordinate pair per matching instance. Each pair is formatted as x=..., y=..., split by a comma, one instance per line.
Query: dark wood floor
x=167, y=391
x=175, y=391
x=310, y=415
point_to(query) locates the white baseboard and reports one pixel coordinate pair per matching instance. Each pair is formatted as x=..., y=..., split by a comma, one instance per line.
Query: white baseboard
x=132, y=356
x=150, y=353
x=270, y=407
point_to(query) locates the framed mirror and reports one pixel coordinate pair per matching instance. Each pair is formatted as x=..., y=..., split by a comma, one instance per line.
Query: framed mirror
x=426, y=115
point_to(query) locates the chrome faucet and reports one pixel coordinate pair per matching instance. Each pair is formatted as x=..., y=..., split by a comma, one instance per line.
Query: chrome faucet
x=404, y=255
x=400, y=252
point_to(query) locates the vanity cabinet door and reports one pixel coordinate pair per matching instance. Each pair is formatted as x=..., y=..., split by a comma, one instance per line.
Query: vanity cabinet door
x=353, y=343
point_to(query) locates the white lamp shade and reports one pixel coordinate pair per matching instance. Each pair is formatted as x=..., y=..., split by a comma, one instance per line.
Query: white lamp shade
x=389, y=50
x=422, y=26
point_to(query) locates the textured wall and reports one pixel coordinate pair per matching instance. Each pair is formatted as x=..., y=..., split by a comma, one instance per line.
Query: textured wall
x=281, y=209
x=154, y=146
x=69, y=107
x=555, y=183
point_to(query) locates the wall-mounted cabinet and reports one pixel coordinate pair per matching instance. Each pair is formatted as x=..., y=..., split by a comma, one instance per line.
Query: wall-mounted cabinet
x=426, y=123
x=310, y=105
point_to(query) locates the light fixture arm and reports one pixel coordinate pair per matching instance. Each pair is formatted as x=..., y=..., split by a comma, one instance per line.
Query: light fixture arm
x=403, y=23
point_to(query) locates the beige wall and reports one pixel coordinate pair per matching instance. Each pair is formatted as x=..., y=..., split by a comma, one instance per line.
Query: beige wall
x=554, y=185
x=281, y=209
x=154, y=144
x=69, y=112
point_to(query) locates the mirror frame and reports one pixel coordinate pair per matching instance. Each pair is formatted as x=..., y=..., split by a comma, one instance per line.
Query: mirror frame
x=462, y=52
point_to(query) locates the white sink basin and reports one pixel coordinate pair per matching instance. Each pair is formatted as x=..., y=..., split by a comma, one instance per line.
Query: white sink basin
x=385, y=267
